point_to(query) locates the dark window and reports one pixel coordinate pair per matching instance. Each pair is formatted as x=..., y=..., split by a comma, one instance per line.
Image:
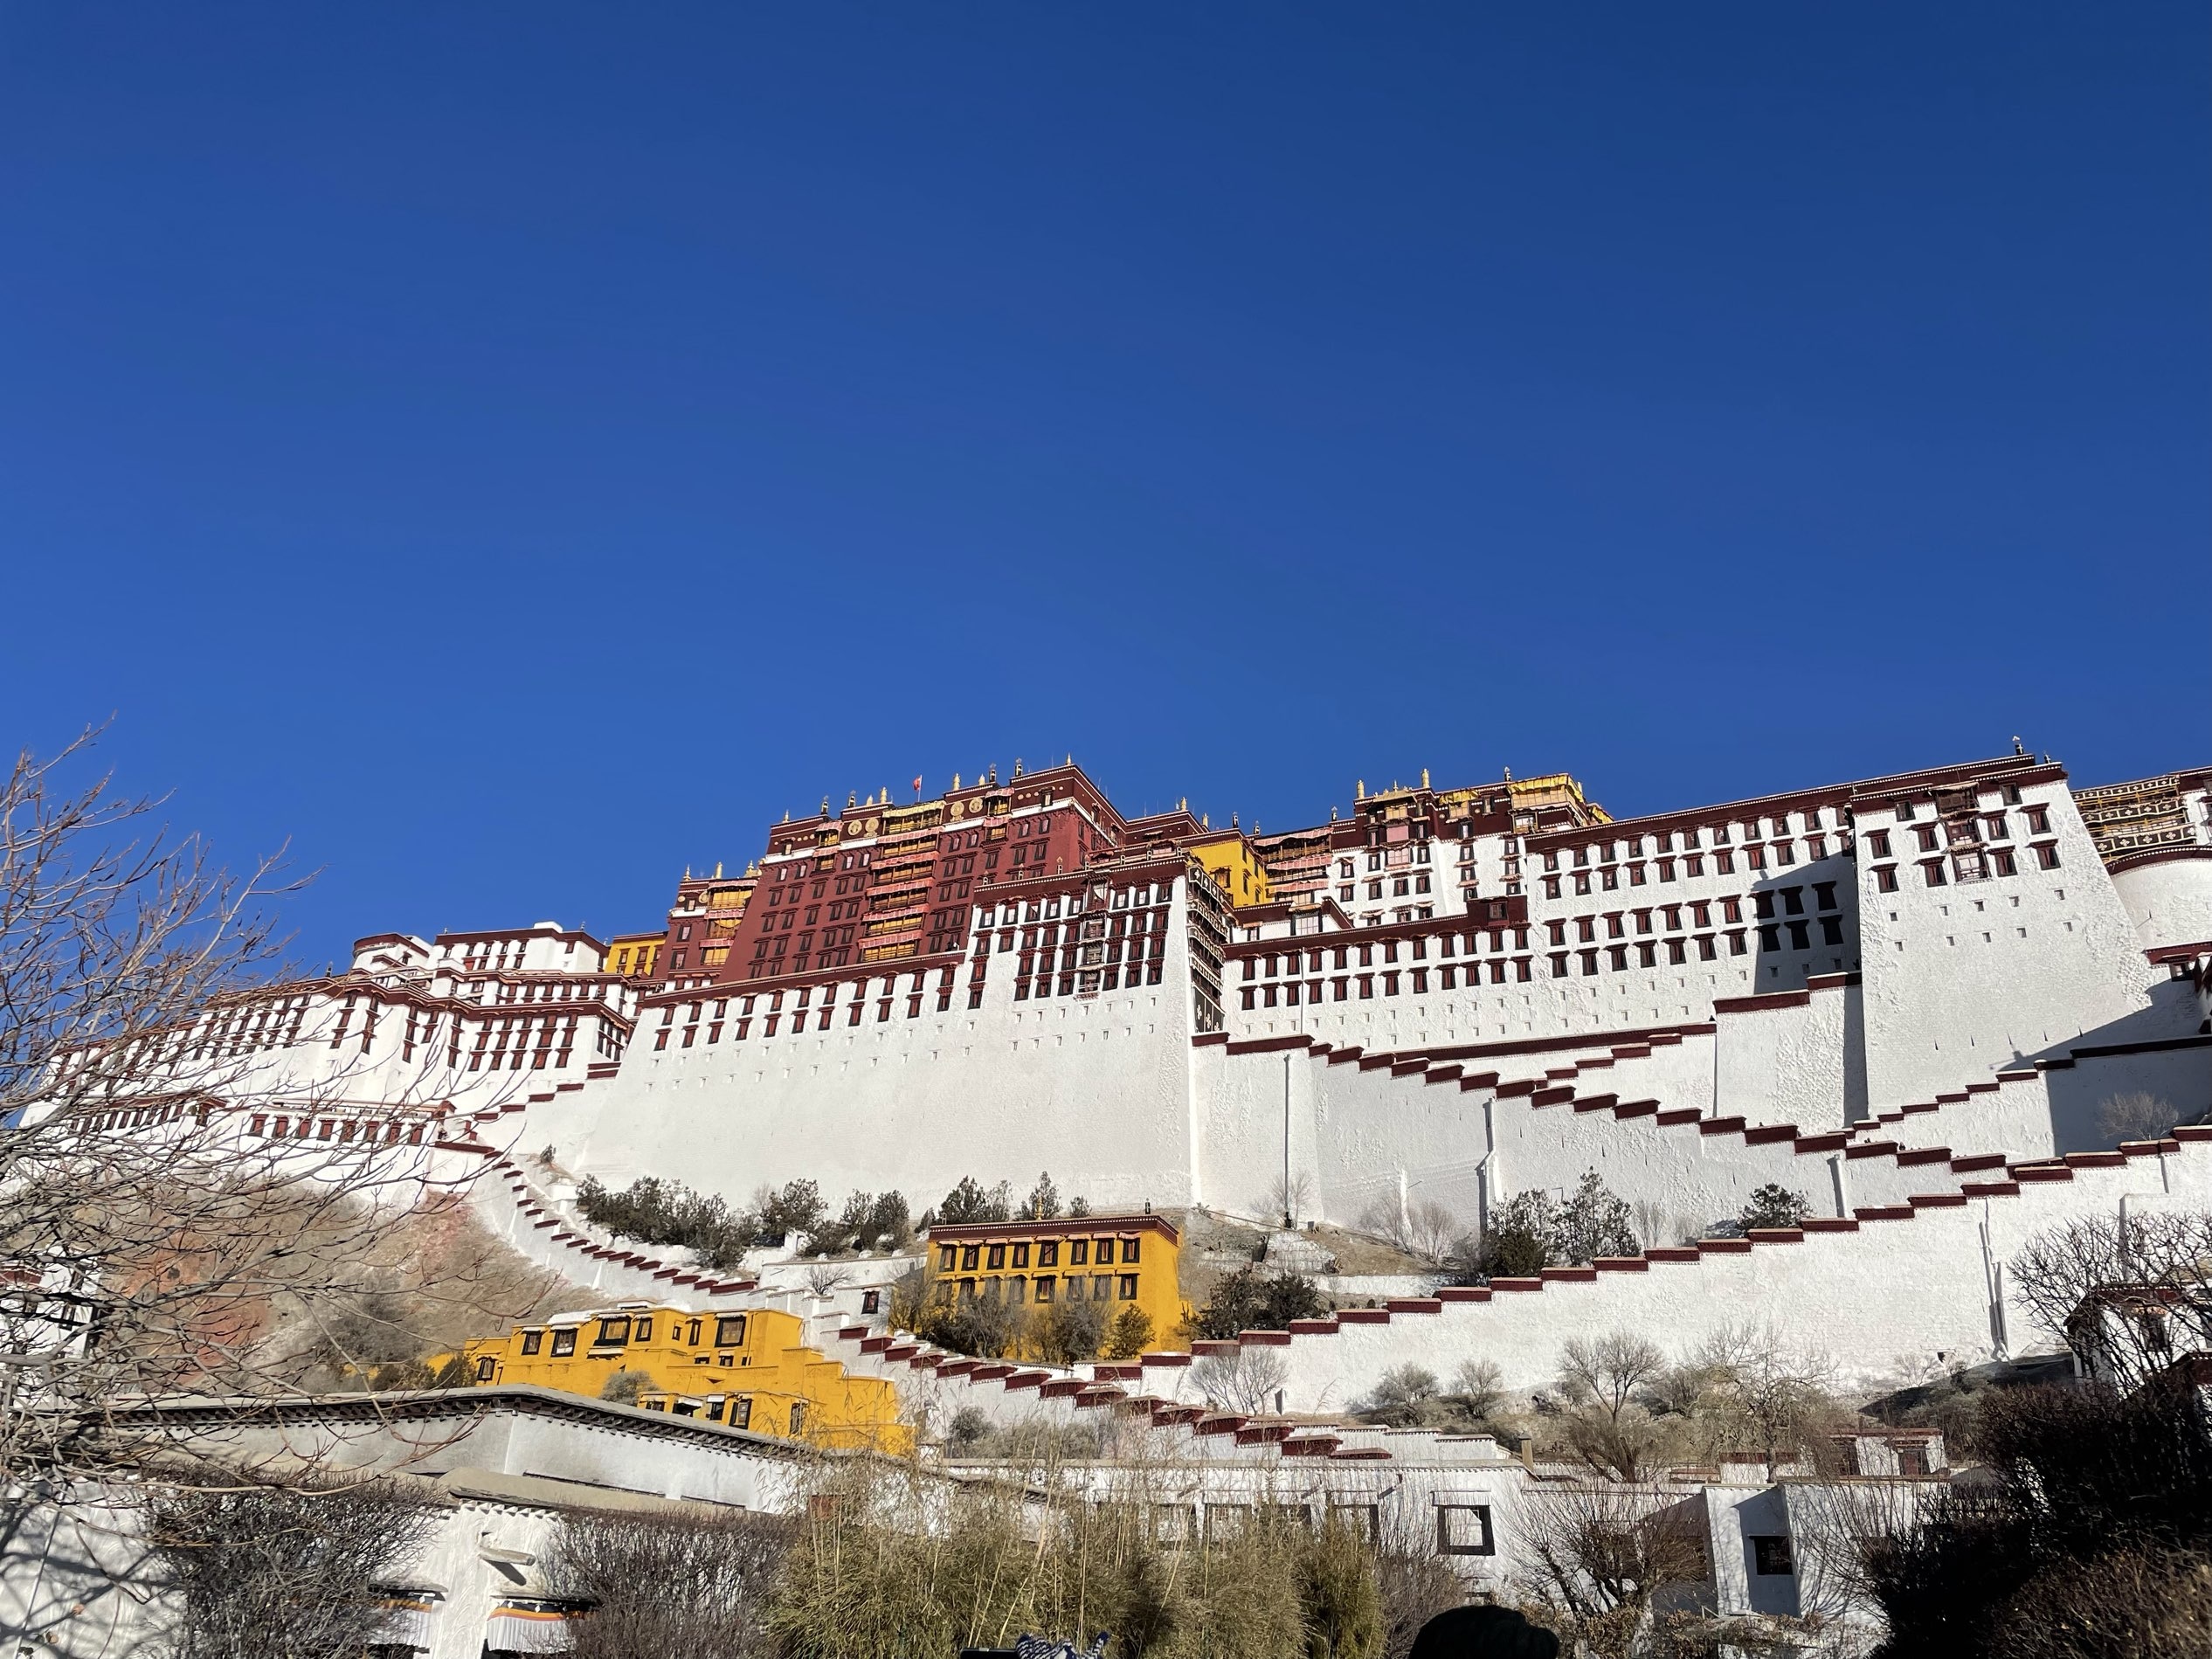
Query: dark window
x=1464, y=1529
x=564, y=1342
x=1128, y=1288
x=1885, y=878
x=615, y=1330
x=741, y=1412
x=532, y=1341
x=730, y=1330
x=1078, y=1252
x=1831, y=929
x=1771, y=1557
x=1049, y=1254
x=485, y=1368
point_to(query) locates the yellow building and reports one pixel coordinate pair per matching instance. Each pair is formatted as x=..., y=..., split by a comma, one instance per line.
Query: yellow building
x=632, y=954
x=1230, y=859
x=1117, y=1260
x=748, y=1369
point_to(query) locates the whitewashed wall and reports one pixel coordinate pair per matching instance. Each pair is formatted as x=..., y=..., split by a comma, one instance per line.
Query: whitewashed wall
x=1895, y=1296
x=1961, y=981
x=1097, y=1090
x=2170, y=900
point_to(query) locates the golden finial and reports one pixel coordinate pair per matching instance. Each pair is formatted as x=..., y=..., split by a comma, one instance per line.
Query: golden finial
x=1359, y=789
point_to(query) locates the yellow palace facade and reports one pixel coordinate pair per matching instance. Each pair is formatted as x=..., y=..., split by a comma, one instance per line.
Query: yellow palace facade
x=747, y=1369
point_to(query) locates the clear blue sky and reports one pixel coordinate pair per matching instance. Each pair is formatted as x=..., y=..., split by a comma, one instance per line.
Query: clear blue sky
x=514, y=452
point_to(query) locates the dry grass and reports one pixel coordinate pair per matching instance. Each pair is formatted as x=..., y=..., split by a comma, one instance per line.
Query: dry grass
x=889, y=1563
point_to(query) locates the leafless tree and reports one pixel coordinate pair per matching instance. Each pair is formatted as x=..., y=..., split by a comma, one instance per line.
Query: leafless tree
x=288, y=1572
x=827, y=1278
x=2129, y=1292
x=1248, y=1380
x=1423, y=1227
x=1432, y=1230
x=1478, y=1387
x=1747, y=1387
x=1289, y=1198
x=2137, y=1115
x=689, y=1583
x=1596, y=1553
x=146, y=1249
x=1607, y=1424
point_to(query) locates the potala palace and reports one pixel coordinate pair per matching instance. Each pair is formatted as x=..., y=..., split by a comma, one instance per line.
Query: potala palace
x=1910, y=999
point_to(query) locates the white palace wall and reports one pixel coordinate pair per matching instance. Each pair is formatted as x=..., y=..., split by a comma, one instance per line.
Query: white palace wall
x=1967, y=1020
x=1905, y=1291
x=1963, y=980
x=1792, y=1057
x=2168, y=897
x=1097, y=1090
x=1363, y=1133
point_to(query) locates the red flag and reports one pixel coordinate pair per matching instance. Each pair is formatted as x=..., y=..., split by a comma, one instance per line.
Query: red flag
x=917, y=785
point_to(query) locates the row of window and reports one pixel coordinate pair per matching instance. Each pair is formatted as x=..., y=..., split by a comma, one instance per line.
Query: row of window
x=619, y=1330
x=1707, y=946
x=1968, y=864
x=1341, y=989
x=1400, y=887
x=1416, y=949
x=795, y=1018
x=1811, y=822
x=1101, y=1287
x=1965, y=830
x=1418, y=853
x=267, y=1023
x=1081, y=982
x=284, y=1126
x=1608, y=879
x=1616, y=922
x=965, y=1258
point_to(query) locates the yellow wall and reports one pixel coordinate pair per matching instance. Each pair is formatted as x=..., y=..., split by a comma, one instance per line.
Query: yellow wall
x=1231, y=861
x=746, y=1369
x=1008, y=1260
x=635, y=954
